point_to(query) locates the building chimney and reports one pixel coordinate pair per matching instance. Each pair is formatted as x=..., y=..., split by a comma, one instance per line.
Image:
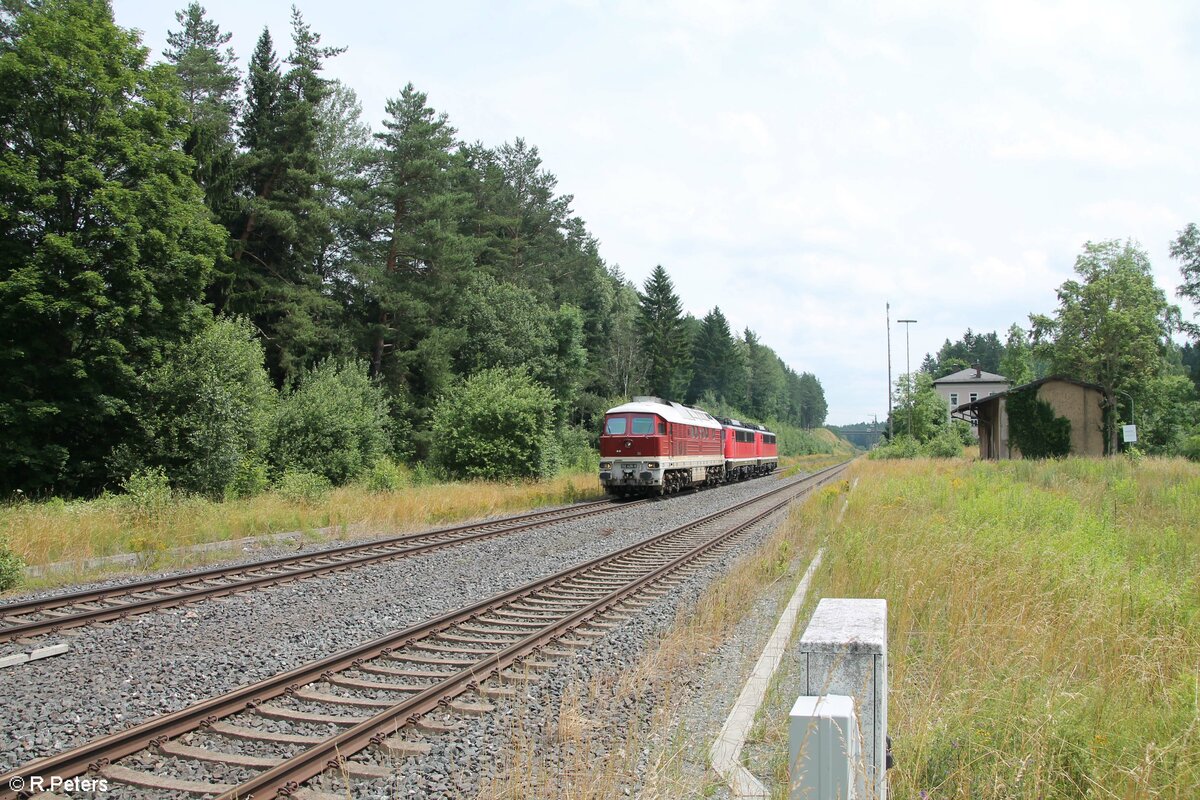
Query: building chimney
x=978, y=371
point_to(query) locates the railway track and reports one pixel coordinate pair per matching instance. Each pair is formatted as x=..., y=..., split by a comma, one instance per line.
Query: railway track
x=386, y=694
x=52, y=614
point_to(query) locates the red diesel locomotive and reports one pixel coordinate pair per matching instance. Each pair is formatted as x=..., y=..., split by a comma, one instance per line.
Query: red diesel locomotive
x=650, y=446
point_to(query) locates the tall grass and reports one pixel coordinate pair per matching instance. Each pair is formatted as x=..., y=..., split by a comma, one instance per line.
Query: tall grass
x=56, y=531
x=1044, y=622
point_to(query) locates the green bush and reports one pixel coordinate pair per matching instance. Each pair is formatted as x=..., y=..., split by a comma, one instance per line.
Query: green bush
x=576, y=453
x=249, y=479
x=1191, y=448
x=901, y=447
x=204, y=410
x=947, y=444
x=12, y=568
x=147, y=493
x=424, y=474
x=384, y=476
x=334, y=423
x=303, y=487
x=966, y=434
x=497, y=424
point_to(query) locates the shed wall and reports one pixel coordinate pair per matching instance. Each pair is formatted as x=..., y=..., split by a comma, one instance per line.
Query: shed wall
x=1084, y=407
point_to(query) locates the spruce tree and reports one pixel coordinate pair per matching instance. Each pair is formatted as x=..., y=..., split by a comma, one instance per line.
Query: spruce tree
x=665, y=346
x=284, y=227
x=716, y=364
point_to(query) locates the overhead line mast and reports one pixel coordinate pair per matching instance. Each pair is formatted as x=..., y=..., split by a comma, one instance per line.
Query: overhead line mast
x=888, y=311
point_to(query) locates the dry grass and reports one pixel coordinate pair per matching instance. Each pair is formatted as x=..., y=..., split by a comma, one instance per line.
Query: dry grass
x=53, y=531
x=1044, y=630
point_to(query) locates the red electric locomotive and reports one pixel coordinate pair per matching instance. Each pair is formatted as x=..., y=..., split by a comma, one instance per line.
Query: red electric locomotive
x=651, y=446
x=750, y=450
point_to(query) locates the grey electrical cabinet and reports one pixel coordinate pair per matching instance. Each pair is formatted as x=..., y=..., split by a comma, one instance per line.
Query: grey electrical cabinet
x=823, y=749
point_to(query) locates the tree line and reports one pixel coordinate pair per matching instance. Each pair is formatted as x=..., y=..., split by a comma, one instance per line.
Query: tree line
x=224, y=275
x=1113, y=327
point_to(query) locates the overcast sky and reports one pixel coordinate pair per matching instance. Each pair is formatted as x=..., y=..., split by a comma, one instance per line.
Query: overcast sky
x=801, y=164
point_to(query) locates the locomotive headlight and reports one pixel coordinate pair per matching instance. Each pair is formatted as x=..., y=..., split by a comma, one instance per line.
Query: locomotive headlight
x=605, y=465
x=651, y=465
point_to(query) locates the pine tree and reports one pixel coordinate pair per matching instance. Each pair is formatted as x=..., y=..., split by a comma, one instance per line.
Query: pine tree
x=417, y=258
x=209, y=80
x=105, y=242
x=665, y=345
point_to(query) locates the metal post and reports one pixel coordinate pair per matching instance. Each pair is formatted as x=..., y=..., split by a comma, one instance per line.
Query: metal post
x=891, y=432
x=908, y=366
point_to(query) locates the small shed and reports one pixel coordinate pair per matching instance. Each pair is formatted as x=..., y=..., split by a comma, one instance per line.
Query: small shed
x=1082, y=404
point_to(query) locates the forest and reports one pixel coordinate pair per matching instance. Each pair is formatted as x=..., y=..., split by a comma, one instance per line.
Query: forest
x=221, y=277
x=1113, y=327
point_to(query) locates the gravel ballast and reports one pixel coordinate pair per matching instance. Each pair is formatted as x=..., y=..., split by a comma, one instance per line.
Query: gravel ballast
x=456, y=764
x=120, y=673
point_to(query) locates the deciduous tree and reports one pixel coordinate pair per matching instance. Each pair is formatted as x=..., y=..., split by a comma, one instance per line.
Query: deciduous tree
x=105, y=241
x=1111, y=325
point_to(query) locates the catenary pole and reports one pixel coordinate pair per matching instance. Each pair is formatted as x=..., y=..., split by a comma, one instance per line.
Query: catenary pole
x=888, y=312
x=908, y=369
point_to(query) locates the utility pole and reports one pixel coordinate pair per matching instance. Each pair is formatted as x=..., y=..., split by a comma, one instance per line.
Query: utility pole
x=888, y=311
x=908, y=368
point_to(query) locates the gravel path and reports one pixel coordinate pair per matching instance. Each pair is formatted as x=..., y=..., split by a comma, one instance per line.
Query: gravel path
x=120, y=673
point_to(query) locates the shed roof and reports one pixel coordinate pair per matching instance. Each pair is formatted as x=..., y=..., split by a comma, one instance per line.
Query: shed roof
x=968, y=376
x=1031, y=385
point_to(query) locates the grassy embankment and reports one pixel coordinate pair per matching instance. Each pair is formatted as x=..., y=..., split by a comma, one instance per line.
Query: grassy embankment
x=837, y=451
x=1044, y=627
x=53, y=531
x=1044, y=622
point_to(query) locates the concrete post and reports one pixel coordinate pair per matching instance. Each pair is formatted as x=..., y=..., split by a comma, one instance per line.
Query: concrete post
x=844, y=652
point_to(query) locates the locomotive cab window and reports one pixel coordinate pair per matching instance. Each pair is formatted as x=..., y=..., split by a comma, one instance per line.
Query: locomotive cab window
x=662, y=429
x=642, y=426
x=615, y=426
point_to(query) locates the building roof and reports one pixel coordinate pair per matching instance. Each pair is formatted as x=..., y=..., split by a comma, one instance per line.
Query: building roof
x=969, y=376
x=671, y=412
x=1031, y=385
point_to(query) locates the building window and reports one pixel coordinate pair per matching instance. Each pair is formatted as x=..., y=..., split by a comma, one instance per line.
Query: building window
x=954, y=399
x=974, y=396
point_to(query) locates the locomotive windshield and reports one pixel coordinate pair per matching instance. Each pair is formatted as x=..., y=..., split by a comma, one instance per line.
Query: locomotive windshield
x=643, y=426
x=615, y=426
